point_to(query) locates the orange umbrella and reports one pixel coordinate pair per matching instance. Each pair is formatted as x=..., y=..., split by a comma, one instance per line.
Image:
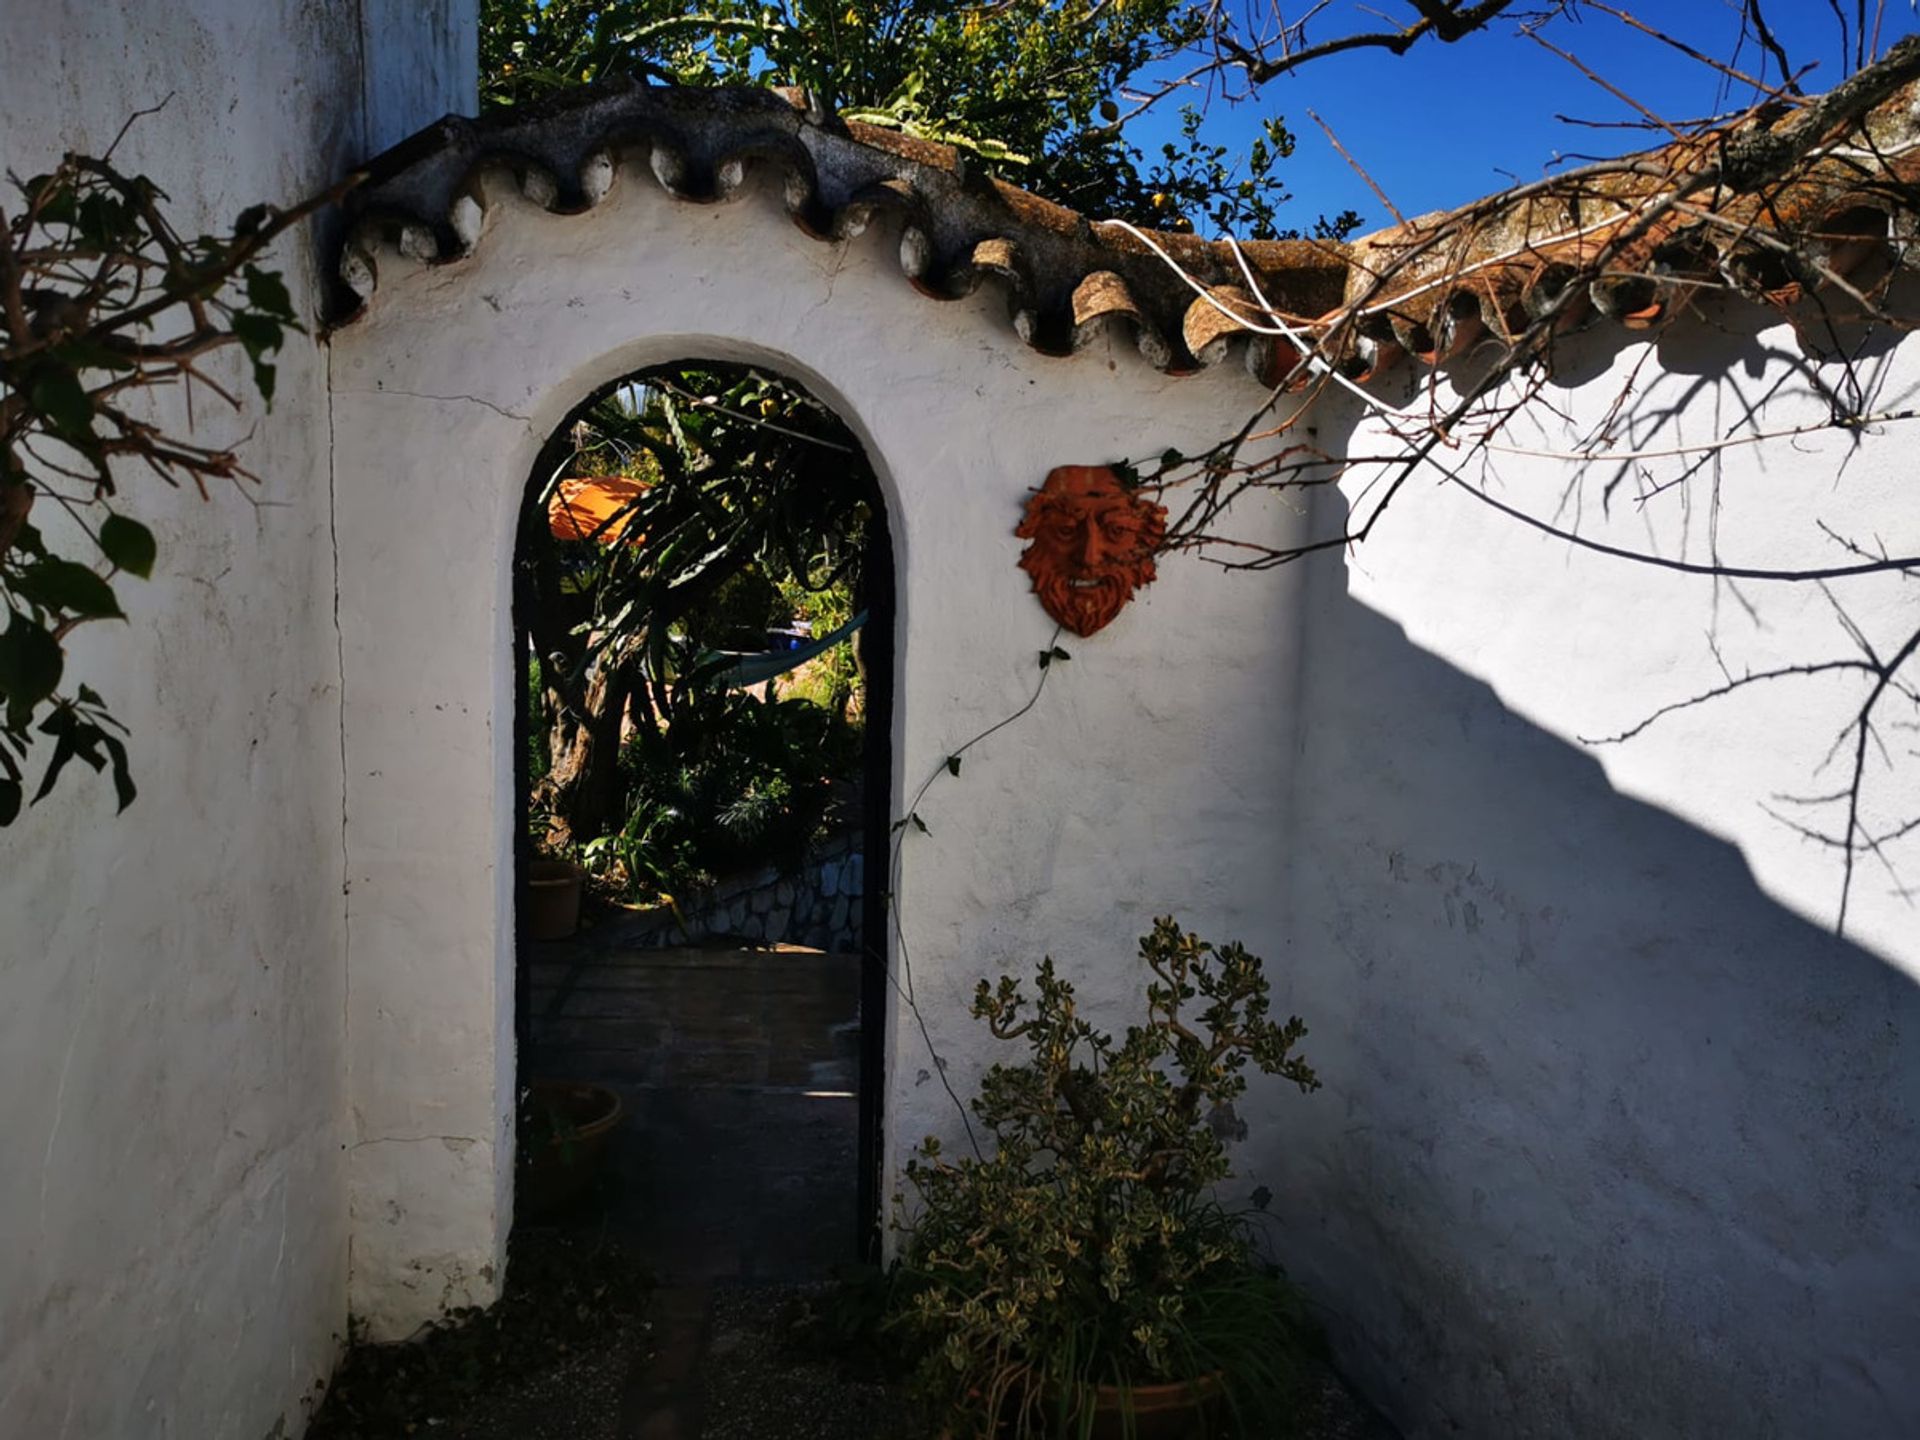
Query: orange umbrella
x=594, y=507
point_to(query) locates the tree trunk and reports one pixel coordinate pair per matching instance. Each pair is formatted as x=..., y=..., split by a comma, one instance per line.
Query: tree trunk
x=581, y=791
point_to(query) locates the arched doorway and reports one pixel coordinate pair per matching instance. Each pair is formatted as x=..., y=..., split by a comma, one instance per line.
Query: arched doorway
x=703, y=616
x=444, y=393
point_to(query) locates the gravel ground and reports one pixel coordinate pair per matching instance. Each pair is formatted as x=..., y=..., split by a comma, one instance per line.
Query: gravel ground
x=759, y=1386
x=549, y=1362
x=555, y=1361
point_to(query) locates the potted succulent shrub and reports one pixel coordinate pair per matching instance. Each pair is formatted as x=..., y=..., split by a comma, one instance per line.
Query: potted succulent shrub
x=1078, y=1278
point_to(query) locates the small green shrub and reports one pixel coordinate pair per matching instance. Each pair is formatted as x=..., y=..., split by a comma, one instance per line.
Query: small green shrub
x=1086, y=1248
x=733, y=782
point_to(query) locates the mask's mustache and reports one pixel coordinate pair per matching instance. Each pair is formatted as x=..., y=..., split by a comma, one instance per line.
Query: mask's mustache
x=1083, y=603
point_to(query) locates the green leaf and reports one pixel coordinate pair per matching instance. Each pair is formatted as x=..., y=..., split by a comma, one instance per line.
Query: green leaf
x=71, y=736
x=27, y=541
x=56, y=392
x=918, y=823
x=1058, y=654
x=250, y=220
x=67, y=586
x=84, y=354
x=10, y=797
x=54, y=197
x=106, y=222
x=267, y=292
x=123, y=787
x=129, y=545
x=31, y=662
x=953, y=764
x=259, y=335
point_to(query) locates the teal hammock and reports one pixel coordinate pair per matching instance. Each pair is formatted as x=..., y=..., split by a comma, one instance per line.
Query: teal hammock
x=756, y=668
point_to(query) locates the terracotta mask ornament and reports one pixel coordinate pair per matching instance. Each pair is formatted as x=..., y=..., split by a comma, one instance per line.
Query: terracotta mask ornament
x=1092, y=543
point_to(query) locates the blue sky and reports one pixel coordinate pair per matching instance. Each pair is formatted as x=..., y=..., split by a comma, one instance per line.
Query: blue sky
x=1444, y=124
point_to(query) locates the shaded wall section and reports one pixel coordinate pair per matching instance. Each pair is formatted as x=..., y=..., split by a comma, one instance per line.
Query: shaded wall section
x=173, y=1242
x=1618, y=1137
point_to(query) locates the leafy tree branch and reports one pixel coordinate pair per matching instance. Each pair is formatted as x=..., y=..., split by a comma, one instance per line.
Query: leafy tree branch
x=103, y=303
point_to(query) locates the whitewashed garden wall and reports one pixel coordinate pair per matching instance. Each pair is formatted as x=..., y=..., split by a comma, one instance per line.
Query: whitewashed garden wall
x=1617, y=1133
x=173, y=1220
x=1615, y=1136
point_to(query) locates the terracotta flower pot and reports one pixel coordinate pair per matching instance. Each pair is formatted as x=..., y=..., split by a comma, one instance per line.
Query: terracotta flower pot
x=551, y=899
x=1181, y=1410
x=565, y=1128
x=1178, y=1410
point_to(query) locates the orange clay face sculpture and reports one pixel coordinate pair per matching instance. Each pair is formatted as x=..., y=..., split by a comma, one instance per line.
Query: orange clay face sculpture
x=1092, y=545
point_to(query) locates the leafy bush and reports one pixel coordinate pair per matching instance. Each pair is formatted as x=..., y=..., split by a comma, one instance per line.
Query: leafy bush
x=731, y=783
x=1087, y=1249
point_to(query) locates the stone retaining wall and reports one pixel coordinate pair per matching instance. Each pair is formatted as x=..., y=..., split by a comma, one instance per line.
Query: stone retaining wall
x=817, y=905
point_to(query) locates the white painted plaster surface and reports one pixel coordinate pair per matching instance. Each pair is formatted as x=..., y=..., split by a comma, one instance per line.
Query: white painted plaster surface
x=1616, y=1139
x=173, y=1220
x=1149, y=777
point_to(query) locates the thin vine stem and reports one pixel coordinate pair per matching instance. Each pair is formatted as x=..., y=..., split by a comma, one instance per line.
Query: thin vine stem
x=950, y=766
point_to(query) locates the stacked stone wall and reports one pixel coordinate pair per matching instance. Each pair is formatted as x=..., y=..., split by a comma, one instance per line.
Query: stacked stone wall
x=817, y=905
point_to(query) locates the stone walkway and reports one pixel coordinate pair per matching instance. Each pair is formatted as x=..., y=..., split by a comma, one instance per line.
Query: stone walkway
x=732, y=1177
x=735, y=1162
x=736, y=1159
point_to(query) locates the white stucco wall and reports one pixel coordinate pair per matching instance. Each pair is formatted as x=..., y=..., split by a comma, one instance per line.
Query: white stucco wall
x=1147, y=779
x=1616, y=1139
x=173, y=1238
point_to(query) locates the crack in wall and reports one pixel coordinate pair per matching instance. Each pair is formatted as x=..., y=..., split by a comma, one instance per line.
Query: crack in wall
x=526, y=420
x=452, y=1142
x=346, y=864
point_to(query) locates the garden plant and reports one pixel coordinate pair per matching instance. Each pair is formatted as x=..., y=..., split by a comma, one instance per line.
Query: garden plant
x=1083, y=1256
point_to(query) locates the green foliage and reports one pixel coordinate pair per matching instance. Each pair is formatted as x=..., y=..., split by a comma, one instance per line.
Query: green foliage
x=1196, y=177
x=1029, y=87
x=1087, y=1248
x=752, y=485
x=539, y=731
x=100, y=299
x=831, y=678
x=650, y=857
x=754, y=502
x=734, y=782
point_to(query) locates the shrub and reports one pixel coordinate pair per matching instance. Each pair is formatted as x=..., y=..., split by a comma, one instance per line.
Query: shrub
x=731, y=783
x=1087, y=1249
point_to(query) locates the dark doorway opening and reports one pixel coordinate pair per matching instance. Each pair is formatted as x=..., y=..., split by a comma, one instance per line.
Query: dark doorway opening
x=703, y=597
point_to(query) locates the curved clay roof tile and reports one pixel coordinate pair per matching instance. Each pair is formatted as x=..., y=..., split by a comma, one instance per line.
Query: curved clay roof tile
x=1434, y=286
